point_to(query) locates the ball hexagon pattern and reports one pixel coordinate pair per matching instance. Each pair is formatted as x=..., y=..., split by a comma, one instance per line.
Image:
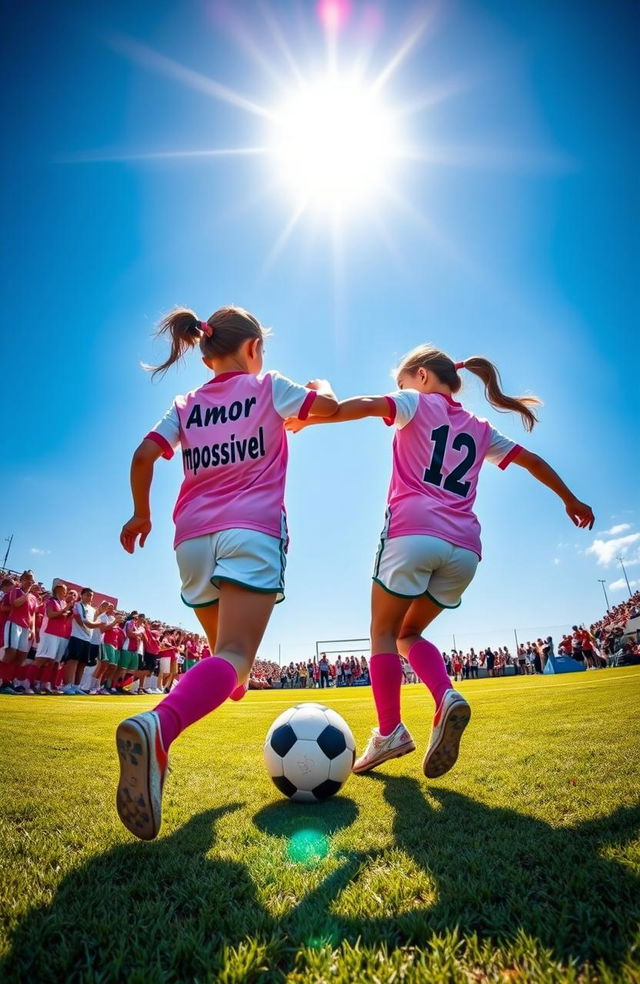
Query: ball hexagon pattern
x=309, y=751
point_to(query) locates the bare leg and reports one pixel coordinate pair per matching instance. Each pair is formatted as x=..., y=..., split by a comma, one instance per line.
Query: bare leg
x=235, y=627
x=421, y=612
x=70, y=672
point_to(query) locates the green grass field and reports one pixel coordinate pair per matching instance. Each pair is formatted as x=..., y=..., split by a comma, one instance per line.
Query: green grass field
x=522, y=864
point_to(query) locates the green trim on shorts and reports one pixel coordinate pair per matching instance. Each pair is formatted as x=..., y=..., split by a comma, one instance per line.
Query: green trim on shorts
x=441, y=604
x=396, y=594
x=205, y=604
x=378, y=560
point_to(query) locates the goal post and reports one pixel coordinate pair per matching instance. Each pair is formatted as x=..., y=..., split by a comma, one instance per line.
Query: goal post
x=340, y=646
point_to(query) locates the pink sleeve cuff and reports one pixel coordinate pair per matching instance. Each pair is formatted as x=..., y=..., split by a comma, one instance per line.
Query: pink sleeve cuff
x=515, y=451
x=391, y=419
x=307, y=403
x=167, y=450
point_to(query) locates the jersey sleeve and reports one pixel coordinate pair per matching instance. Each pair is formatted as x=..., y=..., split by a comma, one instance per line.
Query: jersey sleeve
x=289, y=398
x=166, y=433
x=502, y=450
x=402, y=407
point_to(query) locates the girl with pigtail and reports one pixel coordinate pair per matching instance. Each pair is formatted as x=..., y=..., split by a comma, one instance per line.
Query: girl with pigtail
x=231, y=533
x=430, y=545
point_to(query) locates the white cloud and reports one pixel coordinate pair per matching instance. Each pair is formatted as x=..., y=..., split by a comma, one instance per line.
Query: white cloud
x=39, y=551
x=616, y=530
x=556, y=561
x=606, y=550
x=619, y=585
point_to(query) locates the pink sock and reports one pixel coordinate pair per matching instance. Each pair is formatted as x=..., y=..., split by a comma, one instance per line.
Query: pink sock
x=428, y=663
x=385, y=672
x=201, y=690
x=239, y=691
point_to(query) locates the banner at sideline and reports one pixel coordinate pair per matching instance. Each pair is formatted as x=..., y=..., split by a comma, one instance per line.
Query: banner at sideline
x=98, y=597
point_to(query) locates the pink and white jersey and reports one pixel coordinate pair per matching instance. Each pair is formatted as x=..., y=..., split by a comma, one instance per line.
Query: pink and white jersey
x=438, y=450
x=22, y=615
x=234, y=452
x=54, y=626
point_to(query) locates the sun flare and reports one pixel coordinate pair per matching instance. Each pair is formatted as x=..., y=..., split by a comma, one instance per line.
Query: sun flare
x=333, y=144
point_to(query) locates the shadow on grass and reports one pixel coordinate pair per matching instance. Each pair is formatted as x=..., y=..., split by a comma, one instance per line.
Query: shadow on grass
x=497, y=872
x=170, y=911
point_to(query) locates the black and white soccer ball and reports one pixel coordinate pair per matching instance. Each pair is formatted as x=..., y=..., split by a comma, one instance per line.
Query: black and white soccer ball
x=309, y=751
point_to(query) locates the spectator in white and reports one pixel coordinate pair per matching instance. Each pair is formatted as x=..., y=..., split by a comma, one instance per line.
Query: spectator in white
x=323, y=666
x=78, y=655
x=53, y=639
x=19, y=628
x=105, y=619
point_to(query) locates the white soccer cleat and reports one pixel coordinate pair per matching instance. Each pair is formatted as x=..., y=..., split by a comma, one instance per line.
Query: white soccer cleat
x=451, y=718
x=381, y=748
x=143, y=768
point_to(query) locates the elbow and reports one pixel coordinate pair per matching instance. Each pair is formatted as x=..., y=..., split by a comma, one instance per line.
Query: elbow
x=141, y=456
x=331, y=406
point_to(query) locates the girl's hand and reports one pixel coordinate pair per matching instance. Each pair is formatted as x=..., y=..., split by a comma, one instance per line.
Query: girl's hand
x=138, y=526
x=320, y=385
x=293, y=425
x=580, y=514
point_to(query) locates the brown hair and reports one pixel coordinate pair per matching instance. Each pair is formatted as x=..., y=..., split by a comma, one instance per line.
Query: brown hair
x=229, y=328
x=439, y=363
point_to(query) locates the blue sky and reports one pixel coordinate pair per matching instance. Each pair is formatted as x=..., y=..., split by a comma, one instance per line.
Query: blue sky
x=519, y=243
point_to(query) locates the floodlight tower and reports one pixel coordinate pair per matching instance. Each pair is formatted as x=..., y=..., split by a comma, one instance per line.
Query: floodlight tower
x=619, y=559
x=602, y=582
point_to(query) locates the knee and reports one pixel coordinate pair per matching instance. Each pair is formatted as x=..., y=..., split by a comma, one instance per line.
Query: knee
x=406, y=639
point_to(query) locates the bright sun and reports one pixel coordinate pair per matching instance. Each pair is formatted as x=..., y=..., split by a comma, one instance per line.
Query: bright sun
x=333, y=144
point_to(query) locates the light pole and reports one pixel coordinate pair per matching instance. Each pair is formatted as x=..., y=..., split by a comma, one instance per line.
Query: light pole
x=9, y=540
x=619, y=559
x=605, y=593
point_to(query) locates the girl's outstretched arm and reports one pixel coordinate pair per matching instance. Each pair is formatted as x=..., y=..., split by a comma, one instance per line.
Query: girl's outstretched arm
x=579, y=513
x=144, y=458
x=355, y=408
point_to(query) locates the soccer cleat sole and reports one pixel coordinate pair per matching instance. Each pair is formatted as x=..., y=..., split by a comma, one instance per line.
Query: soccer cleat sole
x=393, y=753
x=139, y=809
x=444, y=755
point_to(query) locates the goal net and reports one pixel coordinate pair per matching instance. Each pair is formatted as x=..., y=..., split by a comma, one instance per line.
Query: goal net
x=342, y=647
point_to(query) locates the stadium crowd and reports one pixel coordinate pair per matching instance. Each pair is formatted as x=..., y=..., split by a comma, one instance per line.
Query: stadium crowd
x=58, y=642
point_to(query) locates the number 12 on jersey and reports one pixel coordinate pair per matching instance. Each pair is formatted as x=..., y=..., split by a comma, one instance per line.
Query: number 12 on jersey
x=461, y=442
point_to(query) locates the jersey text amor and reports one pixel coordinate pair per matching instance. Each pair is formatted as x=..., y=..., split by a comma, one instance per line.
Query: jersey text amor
x=234, y=452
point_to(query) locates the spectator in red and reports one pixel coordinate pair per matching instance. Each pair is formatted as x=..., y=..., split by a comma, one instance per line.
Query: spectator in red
x=53, y=639
x=19, y=629
x=586, y=640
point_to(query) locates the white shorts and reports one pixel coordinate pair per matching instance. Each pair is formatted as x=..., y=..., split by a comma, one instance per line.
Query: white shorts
x=417, y=565
x=164, y=663
x=51, y=647
x=17, y=637
x=246, y=557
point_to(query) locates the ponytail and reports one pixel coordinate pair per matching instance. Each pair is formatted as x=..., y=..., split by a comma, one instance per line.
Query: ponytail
x=184, y=330
x=447, y=371
x=490, y=376
x=221, y=335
